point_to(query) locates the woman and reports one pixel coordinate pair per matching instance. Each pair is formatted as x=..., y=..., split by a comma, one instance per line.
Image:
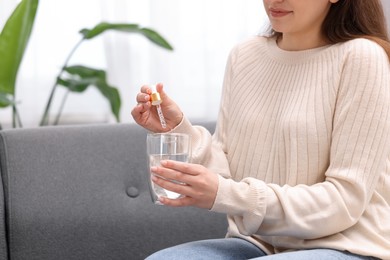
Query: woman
x=299, y=159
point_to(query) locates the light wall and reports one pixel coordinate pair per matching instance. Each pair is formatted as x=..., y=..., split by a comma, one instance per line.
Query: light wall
x=386, y=7
x=202, y=33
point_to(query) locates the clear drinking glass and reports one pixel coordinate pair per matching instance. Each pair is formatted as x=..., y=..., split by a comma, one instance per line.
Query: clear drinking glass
x=166, y=146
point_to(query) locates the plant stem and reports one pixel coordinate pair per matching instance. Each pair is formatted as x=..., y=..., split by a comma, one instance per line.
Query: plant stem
x=13, y=116
x=16, y=118
x=45, y=117
x=61, y=108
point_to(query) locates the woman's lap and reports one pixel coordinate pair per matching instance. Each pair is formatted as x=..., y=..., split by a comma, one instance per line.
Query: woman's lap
x=235, y=248
x=317, y=254
x=216, y=249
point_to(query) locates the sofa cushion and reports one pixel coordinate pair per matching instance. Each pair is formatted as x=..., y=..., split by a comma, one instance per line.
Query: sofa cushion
x=3, y=242
x=81, y=192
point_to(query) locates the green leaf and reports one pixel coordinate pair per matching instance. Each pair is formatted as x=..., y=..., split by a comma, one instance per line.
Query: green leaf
x=84, y=72
x=6, y=100
x=79, y=78
x=13, y=41
x=102, y=27
x=150, y=34
x=112, y=94
x=74, y=85
x=156, y=38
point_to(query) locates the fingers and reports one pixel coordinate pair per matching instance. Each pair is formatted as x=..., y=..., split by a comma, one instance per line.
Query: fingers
x=140, y=109
x=180, y=202
x=170, y=174
x=145, y=115
x=143, y=103
x=187, y=168
x=175, y=186
x=187, y=191
x=160, y=89
x=197, y=184
x=173, y=180
x=180, y=181
x=142, y=98
x=146, y=89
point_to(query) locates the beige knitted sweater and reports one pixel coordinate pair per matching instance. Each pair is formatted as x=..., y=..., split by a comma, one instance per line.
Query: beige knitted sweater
x=302, y=147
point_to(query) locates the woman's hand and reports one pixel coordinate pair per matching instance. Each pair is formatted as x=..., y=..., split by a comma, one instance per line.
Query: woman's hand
x=146, y=115
x=196, y=183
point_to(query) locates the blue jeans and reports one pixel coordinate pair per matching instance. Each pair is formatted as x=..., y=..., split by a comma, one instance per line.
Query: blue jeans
x=235, y=249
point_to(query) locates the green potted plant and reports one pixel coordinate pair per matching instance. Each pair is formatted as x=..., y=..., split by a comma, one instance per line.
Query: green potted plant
x=76, y=78
x=13, y=41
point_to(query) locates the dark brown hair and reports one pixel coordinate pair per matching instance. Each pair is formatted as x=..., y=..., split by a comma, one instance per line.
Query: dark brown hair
x=351, y=19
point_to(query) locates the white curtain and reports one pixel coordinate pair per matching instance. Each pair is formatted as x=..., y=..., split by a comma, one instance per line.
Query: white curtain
x=201, y=32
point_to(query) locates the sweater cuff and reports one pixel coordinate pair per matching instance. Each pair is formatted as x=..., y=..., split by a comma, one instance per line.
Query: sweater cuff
x=246, y=201
x=184, y=126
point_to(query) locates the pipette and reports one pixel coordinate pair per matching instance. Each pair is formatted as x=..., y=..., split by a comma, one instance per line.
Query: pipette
x=156, y=101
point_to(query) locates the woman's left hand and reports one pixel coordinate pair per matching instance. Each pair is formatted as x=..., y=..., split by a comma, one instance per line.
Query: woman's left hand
x=196, y=183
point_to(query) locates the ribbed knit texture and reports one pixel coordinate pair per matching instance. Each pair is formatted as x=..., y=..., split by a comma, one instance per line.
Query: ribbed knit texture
x=302, y=143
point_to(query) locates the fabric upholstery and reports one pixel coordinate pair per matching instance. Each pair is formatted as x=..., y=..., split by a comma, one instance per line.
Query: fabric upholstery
x=3, y=238
x=81, y=192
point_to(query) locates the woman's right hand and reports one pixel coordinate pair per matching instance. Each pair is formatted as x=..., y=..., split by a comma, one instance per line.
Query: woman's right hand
x=146, y=115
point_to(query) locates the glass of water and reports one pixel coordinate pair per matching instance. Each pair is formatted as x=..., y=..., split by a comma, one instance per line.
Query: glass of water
x=166, y=146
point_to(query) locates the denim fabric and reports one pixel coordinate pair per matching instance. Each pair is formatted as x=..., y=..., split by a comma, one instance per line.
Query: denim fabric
x=236, y=249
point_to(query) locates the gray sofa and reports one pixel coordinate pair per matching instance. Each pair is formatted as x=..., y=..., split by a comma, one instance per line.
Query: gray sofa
x=81, y=192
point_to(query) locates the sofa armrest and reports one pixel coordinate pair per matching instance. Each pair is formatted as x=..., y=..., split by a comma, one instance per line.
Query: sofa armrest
x=3, y=237
x=81, y=192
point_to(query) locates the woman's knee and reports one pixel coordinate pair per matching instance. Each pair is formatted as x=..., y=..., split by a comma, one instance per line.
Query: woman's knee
x=226, y=248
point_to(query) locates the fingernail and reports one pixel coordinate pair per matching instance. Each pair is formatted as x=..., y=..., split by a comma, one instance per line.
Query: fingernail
x=153, y=168
x=147, y=98
x=163, y=162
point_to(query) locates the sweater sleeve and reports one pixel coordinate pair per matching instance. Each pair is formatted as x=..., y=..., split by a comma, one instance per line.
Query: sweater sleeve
x=359, y=150
x=210, y=150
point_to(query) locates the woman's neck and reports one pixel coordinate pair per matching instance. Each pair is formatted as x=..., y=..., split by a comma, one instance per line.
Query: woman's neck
x=293, y=42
